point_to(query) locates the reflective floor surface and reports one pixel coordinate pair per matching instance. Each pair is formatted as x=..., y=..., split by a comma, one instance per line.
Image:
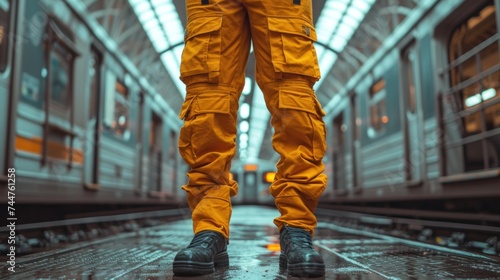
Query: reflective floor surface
x=254, y=254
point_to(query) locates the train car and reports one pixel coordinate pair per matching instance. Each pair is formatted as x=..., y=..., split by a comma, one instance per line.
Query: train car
x=253, y=178
x=421, y=117
x=80, y=122
x=5, y=69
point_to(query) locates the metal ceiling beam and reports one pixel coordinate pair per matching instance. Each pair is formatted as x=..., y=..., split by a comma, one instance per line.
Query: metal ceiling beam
x=88, y=3
x=109, y=4
x=132, y=30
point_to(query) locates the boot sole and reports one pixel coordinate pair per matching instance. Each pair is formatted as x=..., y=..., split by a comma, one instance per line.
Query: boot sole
x=302, y=269
x=191, y=268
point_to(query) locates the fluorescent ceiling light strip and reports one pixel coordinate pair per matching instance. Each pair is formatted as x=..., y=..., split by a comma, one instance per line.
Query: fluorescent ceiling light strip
x=336, y=25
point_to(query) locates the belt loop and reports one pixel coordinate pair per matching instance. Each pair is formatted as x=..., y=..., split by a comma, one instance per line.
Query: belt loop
x=205, y=2
x=296, y=2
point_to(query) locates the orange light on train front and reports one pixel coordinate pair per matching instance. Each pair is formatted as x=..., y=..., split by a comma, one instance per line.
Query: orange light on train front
x=269, y=177
x=273, y=247
x=251, y=167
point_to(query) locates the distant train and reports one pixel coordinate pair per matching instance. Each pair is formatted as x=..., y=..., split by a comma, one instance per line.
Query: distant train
x=78, y=121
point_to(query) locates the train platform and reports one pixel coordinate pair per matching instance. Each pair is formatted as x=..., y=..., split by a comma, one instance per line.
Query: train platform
x=254, y=254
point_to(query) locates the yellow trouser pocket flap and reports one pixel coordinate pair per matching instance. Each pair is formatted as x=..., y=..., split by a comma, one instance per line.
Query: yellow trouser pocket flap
x=292, y=49
x=296, y=26
x=201, y=54
x=202, y=25
x=297, y=101
x=319, y=108
x=212, y=103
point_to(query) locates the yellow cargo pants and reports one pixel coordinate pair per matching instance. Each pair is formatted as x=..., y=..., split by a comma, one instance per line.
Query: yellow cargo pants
x=214, y=59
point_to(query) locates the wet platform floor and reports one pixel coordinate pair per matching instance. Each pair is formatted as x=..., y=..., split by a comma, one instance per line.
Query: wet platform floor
x=254, y=254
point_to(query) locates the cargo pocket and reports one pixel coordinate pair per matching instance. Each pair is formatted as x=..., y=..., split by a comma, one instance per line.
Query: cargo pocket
x=184, y=144
x=292, y=48
x=305, y=119
x=201, y=54
x=206, y=117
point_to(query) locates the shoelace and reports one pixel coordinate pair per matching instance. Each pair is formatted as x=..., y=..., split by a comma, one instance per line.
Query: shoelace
x=205, y=237
x=299, y=238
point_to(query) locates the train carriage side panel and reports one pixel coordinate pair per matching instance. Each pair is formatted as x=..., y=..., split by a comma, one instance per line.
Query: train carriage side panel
x=6, y=29
x=170, y=163
x=430, y=128
x=146, y=116
x=118, y=154
x=382, y=148
x=427, y=73
x=46, y=143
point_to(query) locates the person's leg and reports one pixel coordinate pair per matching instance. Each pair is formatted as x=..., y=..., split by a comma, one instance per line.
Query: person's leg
x=287, y=68
x=213, y=69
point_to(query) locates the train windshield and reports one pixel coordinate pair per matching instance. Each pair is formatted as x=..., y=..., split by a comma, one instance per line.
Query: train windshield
x=475, y=99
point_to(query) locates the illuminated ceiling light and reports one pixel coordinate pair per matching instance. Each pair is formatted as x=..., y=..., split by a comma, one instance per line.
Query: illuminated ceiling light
x=147, y=15
x=345, y=31
x=350, y=21
x=355, y=13
x=244, y=137
x=162, y=10
x=244, y=126
x=244, y=110
x=248, y=86
x=158, y=2
x=142, y=7
x=151, y=24
x=338, y=43
x=160, y=43
x=476, y=98
x=243, y=145
x=362, y=5
x=161, y=22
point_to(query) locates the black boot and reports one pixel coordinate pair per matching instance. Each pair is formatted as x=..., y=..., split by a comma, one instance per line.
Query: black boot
x=297, y=253
x=207, y=250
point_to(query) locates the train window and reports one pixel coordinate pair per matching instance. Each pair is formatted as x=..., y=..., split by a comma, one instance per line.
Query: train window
x=60, y=75
x=120, y=124
x=378, y=111
x=61, y=53
x=4, y=31
x=473, y=102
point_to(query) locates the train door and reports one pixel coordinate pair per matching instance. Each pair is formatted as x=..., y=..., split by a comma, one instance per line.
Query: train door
x=250, y=183
x=5, y=9
x=155, y=152
x=356, y=144
x=92, y=134
x=339, y=163
x=173, y=162
x=141, y=180
x=412, y=118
